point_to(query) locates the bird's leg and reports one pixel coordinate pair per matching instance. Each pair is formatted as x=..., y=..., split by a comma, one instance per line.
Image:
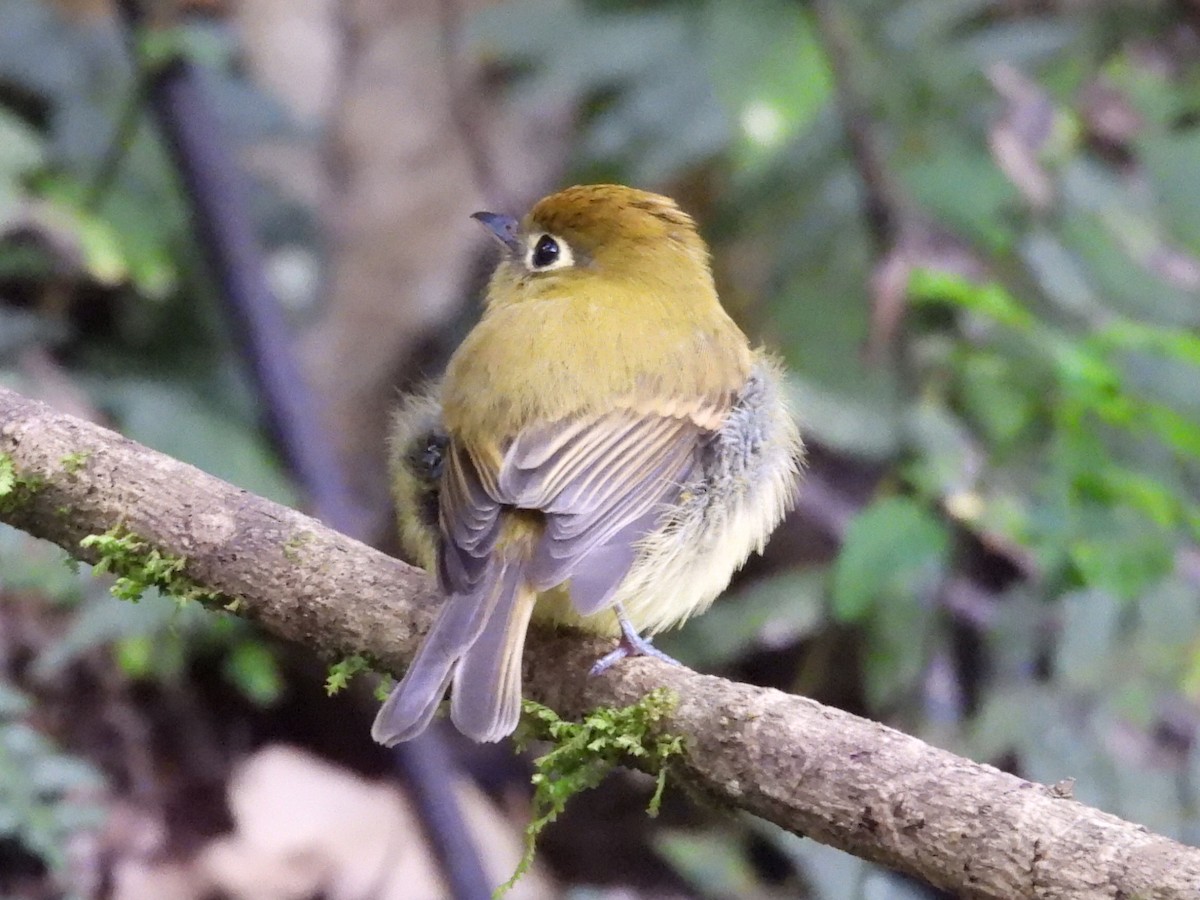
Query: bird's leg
x=631, y=644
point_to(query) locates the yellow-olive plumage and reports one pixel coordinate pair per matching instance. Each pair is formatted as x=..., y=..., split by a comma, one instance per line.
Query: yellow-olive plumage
x=604, y=441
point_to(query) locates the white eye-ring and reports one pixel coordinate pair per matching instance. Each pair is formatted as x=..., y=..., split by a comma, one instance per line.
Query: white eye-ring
x=545, y=253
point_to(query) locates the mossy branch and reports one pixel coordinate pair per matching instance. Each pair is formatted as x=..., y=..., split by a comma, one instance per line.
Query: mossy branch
x=140, y=566
x=848, y=782
x=583, y=753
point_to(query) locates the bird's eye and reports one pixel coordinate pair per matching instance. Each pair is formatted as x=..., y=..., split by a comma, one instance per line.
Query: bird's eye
x=545, y=252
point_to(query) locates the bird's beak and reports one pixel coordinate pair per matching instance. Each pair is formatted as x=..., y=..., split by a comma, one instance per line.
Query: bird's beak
x=503, y=228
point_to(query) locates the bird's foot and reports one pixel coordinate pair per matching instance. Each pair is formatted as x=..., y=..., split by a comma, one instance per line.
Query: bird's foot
x=631, y=644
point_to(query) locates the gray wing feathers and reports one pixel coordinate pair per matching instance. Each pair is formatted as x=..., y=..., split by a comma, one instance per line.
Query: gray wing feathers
x=470, y=524
x=597, y=572
x=602, y=485
x=572, y=543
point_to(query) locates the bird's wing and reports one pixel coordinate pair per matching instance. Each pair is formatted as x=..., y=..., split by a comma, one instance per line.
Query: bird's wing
x=601, y=482
x=469, y=517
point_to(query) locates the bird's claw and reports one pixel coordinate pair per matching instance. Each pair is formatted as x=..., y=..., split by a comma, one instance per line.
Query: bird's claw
x=631, y=644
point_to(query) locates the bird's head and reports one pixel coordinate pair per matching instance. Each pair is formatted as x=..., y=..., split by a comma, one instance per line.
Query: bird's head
x=598, y=237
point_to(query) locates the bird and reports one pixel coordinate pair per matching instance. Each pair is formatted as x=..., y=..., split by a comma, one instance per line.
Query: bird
x=604, y=451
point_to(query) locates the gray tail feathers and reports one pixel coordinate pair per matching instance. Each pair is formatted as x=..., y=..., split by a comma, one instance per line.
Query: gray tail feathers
x=477, y=641
x=486, y=703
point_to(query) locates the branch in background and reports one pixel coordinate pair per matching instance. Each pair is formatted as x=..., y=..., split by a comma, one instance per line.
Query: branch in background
x=880, y=196
x=886, y=227
x=817, y=771
x=900, y=240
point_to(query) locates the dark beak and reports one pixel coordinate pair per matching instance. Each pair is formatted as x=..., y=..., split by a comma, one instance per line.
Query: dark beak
x=503, y=228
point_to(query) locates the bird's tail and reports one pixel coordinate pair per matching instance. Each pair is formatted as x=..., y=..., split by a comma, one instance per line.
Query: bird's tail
x=477, y=641
x=486, y=701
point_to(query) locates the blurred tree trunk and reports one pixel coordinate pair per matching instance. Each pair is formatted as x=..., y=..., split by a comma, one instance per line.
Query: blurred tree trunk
x=415, y=140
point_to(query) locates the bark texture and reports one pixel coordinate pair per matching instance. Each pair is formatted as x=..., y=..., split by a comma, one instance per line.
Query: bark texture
x=814, y=770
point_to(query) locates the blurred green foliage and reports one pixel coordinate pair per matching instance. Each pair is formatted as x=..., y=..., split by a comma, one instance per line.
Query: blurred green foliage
x=45, y=796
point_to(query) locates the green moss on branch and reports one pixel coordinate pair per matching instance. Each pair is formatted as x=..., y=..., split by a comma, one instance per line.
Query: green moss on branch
x=585, y=752
x=140, y=566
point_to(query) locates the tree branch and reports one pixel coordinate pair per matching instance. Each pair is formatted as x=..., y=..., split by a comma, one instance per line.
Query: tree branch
x=814, y=770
